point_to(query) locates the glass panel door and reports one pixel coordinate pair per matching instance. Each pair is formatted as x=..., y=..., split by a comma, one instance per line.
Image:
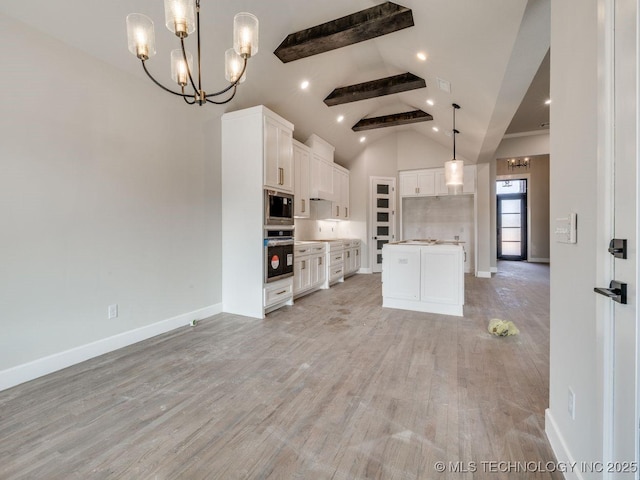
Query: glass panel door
x=382, y=218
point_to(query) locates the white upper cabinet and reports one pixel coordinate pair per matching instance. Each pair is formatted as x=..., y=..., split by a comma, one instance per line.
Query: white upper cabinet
x=321, y=181
x=278, y=155
x=431, y=182
x=340, y=204
x=301, y=167
x=417, y=183
x=469, y=179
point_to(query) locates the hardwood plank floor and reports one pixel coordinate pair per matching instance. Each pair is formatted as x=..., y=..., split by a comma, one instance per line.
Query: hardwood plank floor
x=335, y=387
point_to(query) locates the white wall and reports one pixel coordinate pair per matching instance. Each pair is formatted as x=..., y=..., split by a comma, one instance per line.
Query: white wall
x=416, y=151
x=380, y=159
x=523, y=146
x=106, y=197
x=574, y=357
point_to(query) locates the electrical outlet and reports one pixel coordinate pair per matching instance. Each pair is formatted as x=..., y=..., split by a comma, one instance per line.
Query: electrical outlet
x=113, y=311
x=571, y=404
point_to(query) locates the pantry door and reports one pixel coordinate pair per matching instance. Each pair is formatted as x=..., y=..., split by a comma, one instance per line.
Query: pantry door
x=382, y=229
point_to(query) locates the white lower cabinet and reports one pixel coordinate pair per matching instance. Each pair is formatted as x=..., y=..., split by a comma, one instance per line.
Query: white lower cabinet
x=277, y=294
x=309, y=267
x=352, y=258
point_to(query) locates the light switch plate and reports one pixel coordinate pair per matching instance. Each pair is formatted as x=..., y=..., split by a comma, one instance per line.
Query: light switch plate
x=567, y=229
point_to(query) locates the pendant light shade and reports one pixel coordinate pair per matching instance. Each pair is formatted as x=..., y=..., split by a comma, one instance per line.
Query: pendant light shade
x=180, y=16
x=245, y=34
x=141, y=37
x=234, y=66
x=180, y=70
x=454, y=169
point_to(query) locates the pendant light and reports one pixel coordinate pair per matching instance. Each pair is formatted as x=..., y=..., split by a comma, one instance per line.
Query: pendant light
x=454, y=169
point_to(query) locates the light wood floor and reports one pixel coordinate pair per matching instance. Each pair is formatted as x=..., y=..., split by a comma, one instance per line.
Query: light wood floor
x=334, y=387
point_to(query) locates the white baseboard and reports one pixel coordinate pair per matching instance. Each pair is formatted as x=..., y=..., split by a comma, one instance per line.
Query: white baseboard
x=480, y=274
x=539, y=260
x=493, y=269
x=37, y=368
x=559, y=447
x=365, y=270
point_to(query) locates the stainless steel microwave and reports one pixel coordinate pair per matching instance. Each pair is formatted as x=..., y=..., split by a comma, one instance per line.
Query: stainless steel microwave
x=278, y=208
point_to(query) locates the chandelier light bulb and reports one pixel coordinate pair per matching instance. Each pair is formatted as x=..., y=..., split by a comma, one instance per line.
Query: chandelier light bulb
x=245, y=34
x=234, y=64
x=180, y=70
x=140, y=36
x=179, y=16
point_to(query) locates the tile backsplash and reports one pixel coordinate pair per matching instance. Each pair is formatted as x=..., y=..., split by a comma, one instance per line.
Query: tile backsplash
x=441, y=218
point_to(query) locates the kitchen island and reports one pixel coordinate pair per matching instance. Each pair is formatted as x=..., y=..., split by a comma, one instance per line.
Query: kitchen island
x=423, y=275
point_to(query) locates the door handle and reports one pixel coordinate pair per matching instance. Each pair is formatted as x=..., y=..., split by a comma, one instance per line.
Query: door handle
x=303, y=206
x=617, y=291
x=618, y=247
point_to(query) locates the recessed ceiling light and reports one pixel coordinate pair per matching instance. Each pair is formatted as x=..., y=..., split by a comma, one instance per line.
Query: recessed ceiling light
x=340, y=118
x=547, y=101
x=421, y=56
x=304, y=85
x=362, y=139
x=435, y=129
x=430, y=102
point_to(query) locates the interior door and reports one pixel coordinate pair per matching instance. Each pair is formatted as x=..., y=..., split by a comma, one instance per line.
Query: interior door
x=382, y=206
x=618, y=198
x=624, y=321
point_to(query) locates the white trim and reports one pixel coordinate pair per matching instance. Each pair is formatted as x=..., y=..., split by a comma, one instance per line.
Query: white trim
x=560, y=449
x=493, y=269
x=427, y=307
x=483, y=274
x=605, y=324
x=365, y=270
x=526, y=134
x=538, y=260
x=43, y=366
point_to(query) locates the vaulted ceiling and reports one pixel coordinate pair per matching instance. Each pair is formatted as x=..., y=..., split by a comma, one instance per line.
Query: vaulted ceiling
x=488, y=51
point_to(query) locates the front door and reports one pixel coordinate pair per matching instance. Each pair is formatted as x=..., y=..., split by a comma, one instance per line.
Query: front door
x=512, y=226
x=382, y=206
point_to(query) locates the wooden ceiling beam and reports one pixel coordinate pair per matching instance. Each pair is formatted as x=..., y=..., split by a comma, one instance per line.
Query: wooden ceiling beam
x=373, y=22
x=392, y=120
x=375, y=88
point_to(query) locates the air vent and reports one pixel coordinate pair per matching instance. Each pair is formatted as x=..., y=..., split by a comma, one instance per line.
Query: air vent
x=444, y=85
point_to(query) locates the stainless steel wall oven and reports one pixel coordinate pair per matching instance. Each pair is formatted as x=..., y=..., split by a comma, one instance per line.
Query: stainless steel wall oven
x=278, y=254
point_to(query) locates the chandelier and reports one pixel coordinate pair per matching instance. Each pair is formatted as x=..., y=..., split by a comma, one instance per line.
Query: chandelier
x=182, y=17
x=454, y=169
x=514, y=163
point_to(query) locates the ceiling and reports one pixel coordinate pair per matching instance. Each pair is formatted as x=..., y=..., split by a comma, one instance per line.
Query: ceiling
x=488, y=50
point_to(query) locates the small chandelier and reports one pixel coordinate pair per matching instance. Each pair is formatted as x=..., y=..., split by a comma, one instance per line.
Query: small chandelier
x=182, y=17
x=454, y=169
x=514, y=163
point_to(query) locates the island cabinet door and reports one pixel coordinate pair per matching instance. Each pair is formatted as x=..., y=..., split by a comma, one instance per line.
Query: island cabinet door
x=442, y=276
x=401, y=273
